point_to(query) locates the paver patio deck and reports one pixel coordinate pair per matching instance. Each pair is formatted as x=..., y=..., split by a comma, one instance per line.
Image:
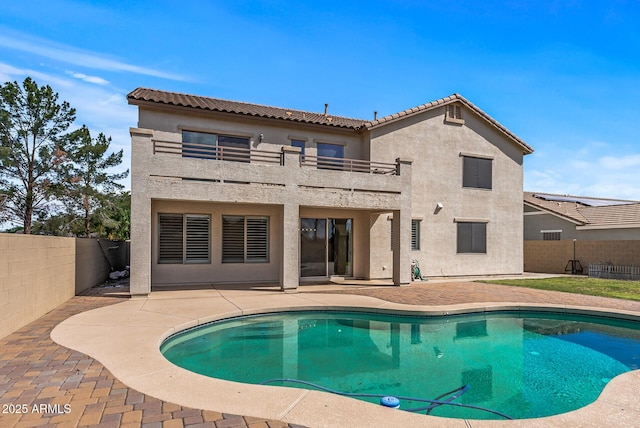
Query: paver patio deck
x=36, y=370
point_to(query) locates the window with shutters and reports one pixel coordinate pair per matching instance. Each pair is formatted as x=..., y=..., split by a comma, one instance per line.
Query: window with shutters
x=415, y=234
x=472, y=237
x=476, y=172
x=183, y=238
x=245, y=239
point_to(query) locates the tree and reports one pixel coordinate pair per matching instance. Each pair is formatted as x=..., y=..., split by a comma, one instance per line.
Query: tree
x=113, y=219
x=33, y=138
x=86, y=185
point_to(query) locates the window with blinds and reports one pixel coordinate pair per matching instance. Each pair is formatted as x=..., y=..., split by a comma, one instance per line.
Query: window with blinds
x=476, y=172
x=415, y=234
x=183, y=238
x=245, y=239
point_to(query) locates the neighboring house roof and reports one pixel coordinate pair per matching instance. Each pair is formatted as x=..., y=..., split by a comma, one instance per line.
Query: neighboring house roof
x=144, y=95
x=587, y=211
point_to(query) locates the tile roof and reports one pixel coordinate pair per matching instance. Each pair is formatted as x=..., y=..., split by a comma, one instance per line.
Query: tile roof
x=605, y=212
x=214, y=104
x=628, y=214
x=144, y=95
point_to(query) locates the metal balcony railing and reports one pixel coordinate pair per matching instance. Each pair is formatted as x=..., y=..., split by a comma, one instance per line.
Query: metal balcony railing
x=234, y=154
x=351, y=165
x=207, y=151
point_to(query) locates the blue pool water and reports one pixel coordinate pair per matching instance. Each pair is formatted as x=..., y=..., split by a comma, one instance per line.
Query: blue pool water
x=524, y=365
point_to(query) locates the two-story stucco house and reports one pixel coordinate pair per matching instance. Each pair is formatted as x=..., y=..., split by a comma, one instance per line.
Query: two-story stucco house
x=230, y=192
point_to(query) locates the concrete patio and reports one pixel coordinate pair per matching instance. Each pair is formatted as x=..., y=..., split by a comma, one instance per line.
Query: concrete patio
x=117, y=376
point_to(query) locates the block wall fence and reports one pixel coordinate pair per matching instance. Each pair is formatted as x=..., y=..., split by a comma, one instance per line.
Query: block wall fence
x=552, y=256
x=39, y=273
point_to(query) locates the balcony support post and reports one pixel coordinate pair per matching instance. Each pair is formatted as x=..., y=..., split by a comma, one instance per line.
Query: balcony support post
x=402, y=228
x=290, y=261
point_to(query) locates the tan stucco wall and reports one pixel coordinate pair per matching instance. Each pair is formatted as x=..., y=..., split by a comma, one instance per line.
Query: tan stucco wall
x=552, y=256
x=216, y=271
x=435, y=147
x=288, y=188
x=434, y=177
x=273, y=137
x=37, y=274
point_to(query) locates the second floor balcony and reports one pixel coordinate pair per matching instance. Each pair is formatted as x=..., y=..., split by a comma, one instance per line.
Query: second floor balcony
x=235, y=154
x=174, y=170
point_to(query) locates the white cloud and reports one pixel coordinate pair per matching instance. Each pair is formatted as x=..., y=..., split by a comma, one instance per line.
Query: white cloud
x=71, y=55
x=9, y=73
x=89, y=79
x=595, y=175
x=617, y=163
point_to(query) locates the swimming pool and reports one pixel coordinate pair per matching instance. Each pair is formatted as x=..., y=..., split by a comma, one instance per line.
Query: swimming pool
x=520, y=364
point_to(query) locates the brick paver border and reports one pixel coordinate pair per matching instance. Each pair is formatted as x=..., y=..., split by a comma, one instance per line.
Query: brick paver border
x=47, y=385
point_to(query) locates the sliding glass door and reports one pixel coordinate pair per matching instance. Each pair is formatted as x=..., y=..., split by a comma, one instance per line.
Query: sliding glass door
x=326, y=247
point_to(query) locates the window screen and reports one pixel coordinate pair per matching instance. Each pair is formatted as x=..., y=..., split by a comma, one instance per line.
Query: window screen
x=472, y=237
x=476, y=172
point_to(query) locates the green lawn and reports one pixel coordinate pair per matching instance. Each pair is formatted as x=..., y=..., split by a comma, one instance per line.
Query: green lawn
x=629, y=290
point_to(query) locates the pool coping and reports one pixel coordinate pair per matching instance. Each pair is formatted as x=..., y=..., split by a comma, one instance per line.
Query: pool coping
x=135, y=329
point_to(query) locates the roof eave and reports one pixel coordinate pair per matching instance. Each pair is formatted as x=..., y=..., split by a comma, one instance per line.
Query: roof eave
x=172, y=106
x=554, y=213
x=526, y=149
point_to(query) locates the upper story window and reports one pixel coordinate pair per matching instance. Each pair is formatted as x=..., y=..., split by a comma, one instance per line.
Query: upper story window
x=334, y=151
x=215, y=146
x=476, y=172
x=300, y=144
x=453, y=114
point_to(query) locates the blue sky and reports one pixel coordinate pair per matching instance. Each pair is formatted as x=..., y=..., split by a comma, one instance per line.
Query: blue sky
x=562, y=75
